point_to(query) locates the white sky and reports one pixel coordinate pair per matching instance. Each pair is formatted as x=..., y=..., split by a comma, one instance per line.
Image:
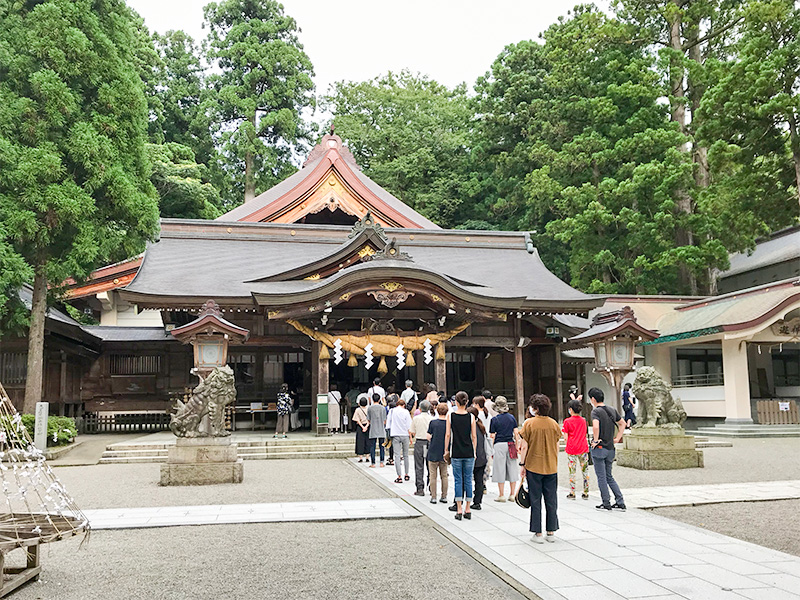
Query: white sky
x=451, y=41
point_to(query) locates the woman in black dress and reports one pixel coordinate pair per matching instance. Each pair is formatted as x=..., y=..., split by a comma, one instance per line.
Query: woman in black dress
x=362, y=430
x=461, y=432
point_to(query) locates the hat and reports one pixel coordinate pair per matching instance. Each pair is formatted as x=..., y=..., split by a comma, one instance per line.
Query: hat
x=501, y=404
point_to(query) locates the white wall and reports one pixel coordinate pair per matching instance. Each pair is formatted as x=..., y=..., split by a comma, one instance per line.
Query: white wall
x=705, y=401
x=120, y=313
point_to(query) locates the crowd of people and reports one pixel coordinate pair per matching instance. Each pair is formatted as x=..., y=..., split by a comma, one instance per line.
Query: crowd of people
x=479, y=439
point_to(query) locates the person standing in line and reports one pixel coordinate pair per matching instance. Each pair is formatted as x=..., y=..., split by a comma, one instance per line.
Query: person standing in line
x=540, y=436
x=410, y=396
x=504, y=433
x=486, y=418
x=489, y=399
x=376, y=414
x=432, y=395
x=284, y=406
x=419, y=435
x=604, y=419
x=391, y=403
x=361, y=420
x=461, y=432
x=376, y=389
x=437, y=467
x=575, y=433
x=401, y=433
x=479, y=470
x=334, y=406
x=628, y=406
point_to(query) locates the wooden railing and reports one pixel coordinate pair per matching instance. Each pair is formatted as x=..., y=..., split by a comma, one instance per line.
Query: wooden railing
x=124, y=423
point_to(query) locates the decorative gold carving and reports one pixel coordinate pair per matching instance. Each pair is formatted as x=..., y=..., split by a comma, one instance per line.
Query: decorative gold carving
x=390, y=299
x=366, y=251
x=468, y=310
x=452, y=305
x=345, y=297
x=272, y=314
x=391, y=286
x=313, y=277
x=312, y=309
x=435, y=298
x=503, y=316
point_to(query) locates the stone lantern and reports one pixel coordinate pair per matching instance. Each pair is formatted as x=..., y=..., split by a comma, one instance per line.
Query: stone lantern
x=210, y=336
x=613, y=336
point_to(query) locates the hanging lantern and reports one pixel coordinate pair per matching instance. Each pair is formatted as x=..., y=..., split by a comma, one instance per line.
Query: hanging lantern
x=440, y=352
x=352, y=361
x=410, y=362
x=382, y=368
x=324, y=354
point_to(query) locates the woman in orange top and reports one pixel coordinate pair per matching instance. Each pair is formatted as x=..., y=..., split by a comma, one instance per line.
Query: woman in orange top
x=539, y=453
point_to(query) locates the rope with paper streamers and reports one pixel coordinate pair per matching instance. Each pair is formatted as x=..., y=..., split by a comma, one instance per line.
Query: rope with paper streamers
x=382, y=344
x=37, y=506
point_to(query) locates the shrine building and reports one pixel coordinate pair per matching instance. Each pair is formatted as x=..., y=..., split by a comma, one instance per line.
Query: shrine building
x=323, y=260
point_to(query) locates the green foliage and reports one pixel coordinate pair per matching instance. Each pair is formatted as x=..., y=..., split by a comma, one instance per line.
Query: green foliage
x=80, y=316
x=583, y=154
x=60, y=430
x=182, y=184
x=750, y=120
x=74, y=176
x=262, y=84
x=411, y=135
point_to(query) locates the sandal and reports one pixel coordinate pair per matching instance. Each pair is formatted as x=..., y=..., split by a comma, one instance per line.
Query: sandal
x=398, y=480
x=407, y=477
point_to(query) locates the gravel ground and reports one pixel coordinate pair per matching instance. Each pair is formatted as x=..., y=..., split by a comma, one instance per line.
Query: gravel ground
x=772, y=524
x=132, y=485
x=747, y=460
x=264, y=561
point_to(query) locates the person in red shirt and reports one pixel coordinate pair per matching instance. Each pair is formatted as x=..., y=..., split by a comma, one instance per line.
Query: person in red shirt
x=574, y=430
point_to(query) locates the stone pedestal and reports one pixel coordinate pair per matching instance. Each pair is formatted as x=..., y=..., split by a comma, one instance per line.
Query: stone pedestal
x=202, y=461
x=659, y=448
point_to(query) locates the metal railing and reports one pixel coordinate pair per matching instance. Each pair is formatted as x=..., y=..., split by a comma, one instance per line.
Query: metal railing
x=705, y=380
x=124, y=422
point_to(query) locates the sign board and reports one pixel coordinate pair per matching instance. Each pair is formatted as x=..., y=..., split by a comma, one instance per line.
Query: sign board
x=783, y=406
x=40, y=427
x=322, y=409
x=256, y=406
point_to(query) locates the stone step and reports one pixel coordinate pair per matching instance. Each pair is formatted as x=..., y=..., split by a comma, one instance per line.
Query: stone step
x=322, y=441
x=134, y=453
x=752, y=434
x=132, y=459
x=143, y=459
x=749, y=427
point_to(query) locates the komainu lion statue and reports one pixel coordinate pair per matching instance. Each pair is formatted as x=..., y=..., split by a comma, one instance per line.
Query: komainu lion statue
x=210, y=397
x=657, y=407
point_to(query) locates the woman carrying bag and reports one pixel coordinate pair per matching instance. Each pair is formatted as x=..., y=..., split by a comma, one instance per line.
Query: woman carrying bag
x=539, y=466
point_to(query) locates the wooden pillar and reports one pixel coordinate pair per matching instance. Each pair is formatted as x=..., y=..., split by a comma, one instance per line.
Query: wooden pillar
x=319, y=381
x=560, y=412
x=418, y=358
x=441, y=373
x=519, y=373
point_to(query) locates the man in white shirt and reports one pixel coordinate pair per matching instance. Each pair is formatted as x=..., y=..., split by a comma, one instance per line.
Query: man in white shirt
x=419, y=436
x=376, y=389
x=409, y=396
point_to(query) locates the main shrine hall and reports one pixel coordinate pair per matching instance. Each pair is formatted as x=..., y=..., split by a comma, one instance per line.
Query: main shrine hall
x=337, y=281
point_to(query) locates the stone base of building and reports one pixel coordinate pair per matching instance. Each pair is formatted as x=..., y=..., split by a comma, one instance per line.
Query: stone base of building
x=659, y=448
x=202, y=461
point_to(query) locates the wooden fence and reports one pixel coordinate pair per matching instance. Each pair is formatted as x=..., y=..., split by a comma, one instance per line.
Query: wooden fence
x=125, y=423
x=770, y=413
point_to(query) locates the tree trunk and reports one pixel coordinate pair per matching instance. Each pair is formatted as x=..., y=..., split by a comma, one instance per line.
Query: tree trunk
x=794, y=143
x=249, y=175
x=35, y=375
x=683, y=236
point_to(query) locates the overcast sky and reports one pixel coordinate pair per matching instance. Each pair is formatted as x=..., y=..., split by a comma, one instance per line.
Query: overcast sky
x=451, y=41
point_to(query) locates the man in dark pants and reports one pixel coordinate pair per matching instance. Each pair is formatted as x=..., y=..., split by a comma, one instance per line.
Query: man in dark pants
x=604, y=419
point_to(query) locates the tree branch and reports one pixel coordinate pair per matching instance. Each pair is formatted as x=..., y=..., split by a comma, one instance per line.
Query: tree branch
x=712, y=34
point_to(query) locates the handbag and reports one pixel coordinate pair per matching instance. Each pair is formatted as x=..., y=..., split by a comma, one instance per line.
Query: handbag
x=512, y=450
x=522, y=498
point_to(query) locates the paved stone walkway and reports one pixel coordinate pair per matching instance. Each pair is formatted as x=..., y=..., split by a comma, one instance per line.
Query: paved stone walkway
x=168, y=516
x=692, y=495
x=605, y=556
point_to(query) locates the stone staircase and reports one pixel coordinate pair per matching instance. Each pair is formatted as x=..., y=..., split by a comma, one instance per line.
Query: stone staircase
x=248, y=450
x=748, y=431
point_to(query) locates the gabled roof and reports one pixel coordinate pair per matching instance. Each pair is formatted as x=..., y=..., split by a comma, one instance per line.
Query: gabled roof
x=105, y=279
x=230, y=262
x=330, y=179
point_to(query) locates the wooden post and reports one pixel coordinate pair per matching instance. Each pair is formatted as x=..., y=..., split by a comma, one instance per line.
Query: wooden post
x=441, y=373
x=560, y=412
x=418, y=358
x=320, y=382
x=519, y=373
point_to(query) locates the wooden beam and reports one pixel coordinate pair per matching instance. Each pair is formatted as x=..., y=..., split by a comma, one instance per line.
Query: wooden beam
x=360, y=313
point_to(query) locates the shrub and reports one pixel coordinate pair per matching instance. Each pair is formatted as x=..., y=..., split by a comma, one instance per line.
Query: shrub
x=60, y=430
